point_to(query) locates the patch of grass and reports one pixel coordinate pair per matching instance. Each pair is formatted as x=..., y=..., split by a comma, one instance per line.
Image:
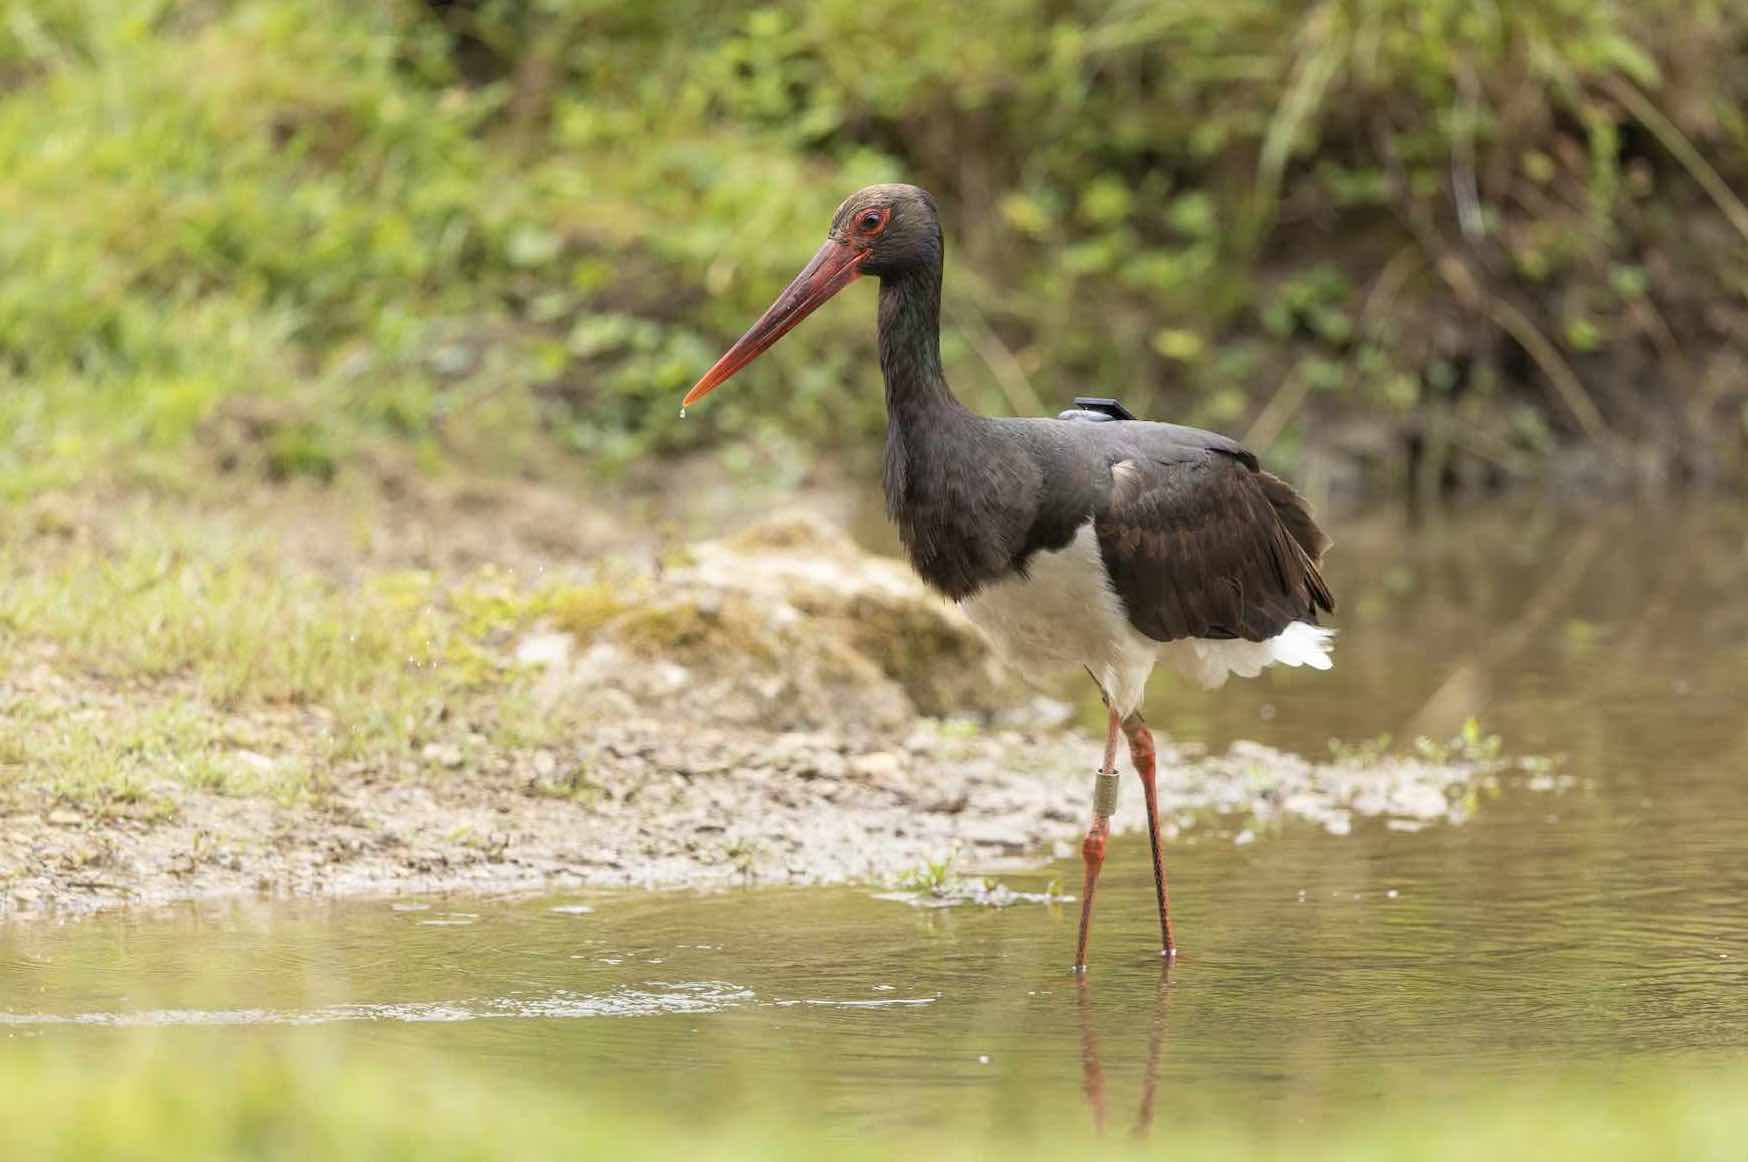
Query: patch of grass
x=1362, y=753
x=186, y=657
x=235, y=627
x=1471, y=744
x=938, y=883
x=935, y=877
x=116, y=756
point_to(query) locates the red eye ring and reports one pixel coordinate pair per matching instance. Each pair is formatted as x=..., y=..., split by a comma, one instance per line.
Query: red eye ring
x=872, y=222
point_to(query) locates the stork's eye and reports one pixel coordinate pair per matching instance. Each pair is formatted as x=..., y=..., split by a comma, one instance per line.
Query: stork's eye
x=872, y=221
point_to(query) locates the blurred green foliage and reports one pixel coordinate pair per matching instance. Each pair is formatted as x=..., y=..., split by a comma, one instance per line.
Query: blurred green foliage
x=265, y=234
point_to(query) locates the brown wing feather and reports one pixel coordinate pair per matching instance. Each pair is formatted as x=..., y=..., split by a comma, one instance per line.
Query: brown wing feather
x=1201, y=544
x=1295, y=513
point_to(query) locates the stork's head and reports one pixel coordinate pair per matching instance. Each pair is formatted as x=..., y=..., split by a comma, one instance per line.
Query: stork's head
x=893, y=225
x=887, y=230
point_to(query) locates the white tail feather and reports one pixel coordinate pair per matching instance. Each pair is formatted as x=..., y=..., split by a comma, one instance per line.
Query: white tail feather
x=1210, y=661
x=1303, y=644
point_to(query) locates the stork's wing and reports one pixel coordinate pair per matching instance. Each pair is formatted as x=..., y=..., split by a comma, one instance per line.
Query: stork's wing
x=1199, y=542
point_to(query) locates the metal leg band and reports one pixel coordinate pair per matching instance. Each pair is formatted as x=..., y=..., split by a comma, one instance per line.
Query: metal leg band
x=1105, y=787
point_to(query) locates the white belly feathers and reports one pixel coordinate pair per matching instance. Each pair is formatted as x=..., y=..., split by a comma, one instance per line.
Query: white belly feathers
x=1064, y=615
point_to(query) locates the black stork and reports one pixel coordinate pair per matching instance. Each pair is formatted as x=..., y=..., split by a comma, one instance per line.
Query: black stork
x=1108, y=546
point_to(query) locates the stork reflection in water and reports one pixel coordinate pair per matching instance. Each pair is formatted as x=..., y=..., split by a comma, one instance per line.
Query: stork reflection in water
x=1092, y=1073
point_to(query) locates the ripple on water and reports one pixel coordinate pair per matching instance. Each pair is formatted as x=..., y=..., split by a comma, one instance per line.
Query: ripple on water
x=876, y=1003
x=708, y=996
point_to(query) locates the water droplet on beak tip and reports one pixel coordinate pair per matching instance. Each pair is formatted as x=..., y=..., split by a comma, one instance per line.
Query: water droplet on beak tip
x=682, y=411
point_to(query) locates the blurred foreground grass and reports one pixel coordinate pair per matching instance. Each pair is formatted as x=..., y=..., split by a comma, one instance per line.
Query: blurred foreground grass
x=149, y=1103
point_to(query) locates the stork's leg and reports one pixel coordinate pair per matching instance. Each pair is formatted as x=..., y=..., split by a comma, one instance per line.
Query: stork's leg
x=1092, y=848
x=1141, y=754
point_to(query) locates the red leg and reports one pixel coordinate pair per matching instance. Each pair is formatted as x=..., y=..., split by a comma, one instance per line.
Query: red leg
x=1092, y=848
x=1141, y=754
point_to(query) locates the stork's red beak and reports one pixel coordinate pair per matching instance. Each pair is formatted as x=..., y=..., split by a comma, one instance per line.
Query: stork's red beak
x=835, y=267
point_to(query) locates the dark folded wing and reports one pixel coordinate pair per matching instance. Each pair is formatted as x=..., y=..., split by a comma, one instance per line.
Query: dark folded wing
x=1199, y=543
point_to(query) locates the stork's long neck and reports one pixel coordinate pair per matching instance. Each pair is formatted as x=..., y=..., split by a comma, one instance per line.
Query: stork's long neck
x=920, y=407
x=910, y=347
x=954, y=487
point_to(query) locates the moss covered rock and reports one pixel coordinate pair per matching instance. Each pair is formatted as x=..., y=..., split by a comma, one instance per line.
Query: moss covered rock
x=788, y=624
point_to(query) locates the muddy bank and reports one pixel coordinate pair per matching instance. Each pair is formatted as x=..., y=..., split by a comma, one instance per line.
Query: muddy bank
x=777, y=706
x=647, y=803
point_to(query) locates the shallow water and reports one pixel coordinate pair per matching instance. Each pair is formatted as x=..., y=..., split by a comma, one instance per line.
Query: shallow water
x=1598, y=926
